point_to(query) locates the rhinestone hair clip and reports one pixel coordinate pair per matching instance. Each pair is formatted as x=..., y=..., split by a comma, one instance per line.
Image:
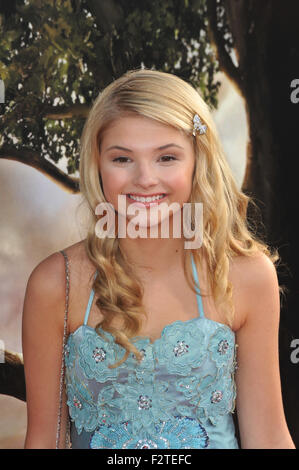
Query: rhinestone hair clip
x=198, y=125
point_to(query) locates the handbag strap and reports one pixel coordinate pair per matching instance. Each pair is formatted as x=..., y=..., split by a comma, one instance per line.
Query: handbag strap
x=62, y=371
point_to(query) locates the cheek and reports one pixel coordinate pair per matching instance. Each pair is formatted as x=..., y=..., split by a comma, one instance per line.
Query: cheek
x=181, y=182
x=113, y=182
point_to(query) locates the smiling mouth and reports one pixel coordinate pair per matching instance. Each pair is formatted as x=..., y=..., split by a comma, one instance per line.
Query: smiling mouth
x=146, y=199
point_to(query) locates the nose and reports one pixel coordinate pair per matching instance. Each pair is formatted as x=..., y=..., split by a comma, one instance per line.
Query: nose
x=145, y=175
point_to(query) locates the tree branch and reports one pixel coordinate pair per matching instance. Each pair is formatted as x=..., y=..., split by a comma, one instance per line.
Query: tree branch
x=33, y=159
x=216, y=37
x=65, y=112
x=107, y=13
x=12, y=377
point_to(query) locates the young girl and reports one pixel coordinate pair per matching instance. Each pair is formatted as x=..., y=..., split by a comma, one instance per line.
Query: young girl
x=164, y=341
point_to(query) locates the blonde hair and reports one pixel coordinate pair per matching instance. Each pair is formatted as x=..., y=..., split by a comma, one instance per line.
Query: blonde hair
x=169, y=100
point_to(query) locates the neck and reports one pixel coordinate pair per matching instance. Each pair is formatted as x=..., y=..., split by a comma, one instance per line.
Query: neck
x=153, y=255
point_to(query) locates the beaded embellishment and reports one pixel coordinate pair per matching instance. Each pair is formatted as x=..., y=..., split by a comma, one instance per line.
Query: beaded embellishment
x=216, y=396
x=198, y=364
x=177, y=433
x=181, y=348
x=99, y=354
x=223, y=346
x=144, y=402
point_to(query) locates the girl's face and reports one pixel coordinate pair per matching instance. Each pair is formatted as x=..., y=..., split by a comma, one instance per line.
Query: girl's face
x=142, y=158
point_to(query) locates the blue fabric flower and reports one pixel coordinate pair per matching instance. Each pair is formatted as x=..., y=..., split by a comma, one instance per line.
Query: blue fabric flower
x=185, y=379
x=176, y=433
x=121, y=436
x=108, y=412
x=178, y=348
x=192, y=388
x=82, y=408
x=95, y=356
x=218, y=399
x=221, y=346
x=184, y=433
x=143, y=405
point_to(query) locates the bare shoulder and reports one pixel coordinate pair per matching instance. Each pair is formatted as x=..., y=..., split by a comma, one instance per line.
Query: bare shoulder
x=46, y=283
x=254, y=280
x=258, y=265
x=46, y=278
x=254, y=273
x=52, y=268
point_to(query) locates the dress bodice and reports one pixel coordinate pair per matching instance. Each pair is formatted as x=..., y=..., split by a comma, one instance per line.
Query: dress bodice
x=181, y=395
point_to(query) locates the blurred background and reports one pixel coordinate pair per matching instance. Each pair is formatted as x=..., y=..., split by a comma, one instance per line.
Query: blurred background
x=55, y=57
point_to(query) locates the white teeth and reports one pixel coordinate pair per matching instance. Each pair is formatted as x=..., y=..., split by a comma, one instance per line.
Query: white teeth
x=145, y=199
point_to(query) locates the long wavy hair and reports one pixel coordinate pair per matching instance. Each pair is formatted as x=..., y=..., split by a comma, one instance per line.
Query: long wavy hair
x=226, y=232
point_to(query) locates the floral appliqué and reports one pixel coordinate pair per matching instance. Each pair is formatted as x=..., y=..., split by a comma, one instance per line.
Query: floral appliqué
x=187, y=374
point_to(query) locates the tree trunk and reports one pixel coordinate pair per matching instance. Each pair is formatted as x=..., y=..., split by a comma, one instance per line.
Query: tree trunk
x=266, y=41
x=12, y=378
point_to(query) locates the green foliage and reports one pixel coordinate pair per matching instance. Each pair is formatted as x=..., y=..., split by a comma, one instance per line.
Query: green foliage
x=63, y=52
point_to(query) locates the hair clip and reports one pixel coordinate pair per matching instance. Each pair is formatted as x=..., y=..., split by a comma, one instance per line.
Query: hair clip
x=198, y=125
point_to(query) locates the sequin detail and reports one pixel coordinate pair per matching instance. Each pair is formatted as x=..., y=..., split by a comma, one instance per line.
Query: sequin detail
x=77, y=403
x=176, y=433
x=186, y=374
x=144, y=402
x=146, y=444
x=95, y=354
x=181, y=348
x=223, y=346
x=216, y=396
x=99, y=354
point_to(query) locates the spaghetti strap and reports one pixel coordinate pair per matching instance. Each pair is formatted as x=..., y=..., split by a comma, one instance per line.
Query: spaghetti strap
x=198, y=296
x=89, y=303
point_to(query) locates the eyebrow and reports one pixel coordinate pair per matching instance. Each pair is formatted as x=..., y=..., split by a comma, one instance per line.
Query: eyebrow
x=163, y=147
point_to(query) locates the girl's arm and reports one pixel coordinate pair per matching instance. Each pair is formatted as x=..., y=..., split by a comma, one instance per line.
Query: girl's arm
x=42, y=336
x=259, y=403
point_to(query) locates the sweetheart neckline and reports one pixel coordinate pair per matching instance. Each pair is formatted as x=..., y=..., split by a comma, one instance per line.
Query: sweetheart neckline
x=168, y=326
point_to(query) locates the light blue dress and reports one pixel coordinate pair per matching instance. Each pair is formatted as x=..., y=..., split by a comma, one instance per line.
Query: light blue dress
x=180, y=396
